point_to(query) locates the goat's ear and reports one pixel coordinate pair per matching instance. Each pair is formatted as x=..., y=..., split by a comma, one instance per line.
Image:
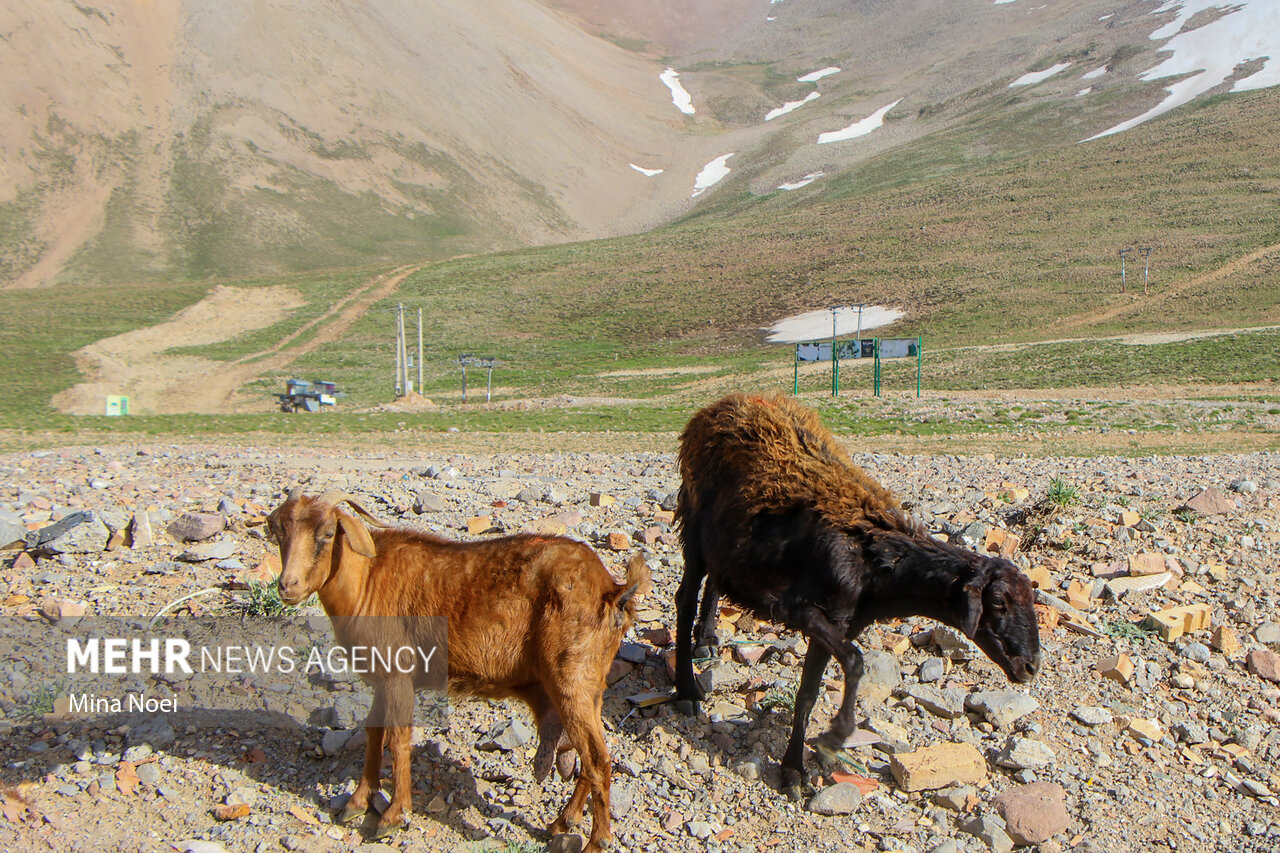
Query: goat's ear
x=357, y=534
x=971, y=605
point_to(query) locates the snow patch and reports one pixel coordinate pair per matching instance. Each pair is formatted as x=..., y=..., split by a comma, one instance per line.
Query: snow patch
x=648, y=173
x=1040, y=76
x=1084, y=92
x=803, y=182
x=858, y=128
x=711, y=174
x=816, y=325
x=815, y=76
x=1094, y=74
x=790, y=105
x=679, y=96
x=1247, y=30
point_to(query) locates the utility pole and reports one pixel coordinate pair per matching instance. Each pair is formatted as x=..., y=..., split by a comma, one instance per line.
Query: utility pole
x=419, y=350
x=1146, y=269
x=835, y=356
x=860, y=306
x=1124, y=253
x=399, y=354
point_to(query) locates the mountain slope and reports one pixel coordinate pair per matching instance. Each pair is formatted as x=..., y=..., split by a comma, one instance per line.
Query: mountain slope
x=172, y=139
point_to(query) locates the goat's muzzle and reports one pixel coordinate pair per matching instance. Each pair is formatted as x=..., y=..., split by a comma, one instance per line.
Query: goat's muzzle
x=291, y=593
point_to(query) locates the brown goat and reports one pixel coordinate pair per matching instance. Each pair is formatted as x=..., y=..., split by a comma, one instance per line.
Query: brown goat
x=778, y=518
x=532, y=617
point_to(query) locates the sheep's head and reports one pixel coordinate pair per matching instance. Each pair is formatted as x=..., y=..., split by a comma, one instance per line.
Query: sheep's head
x=998, y=614
x=312, y=533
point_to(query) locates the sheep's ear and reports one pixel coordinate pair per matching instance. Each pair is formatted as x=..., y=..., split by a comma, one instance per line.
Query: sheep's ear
x=357, y=534
x=971, y=605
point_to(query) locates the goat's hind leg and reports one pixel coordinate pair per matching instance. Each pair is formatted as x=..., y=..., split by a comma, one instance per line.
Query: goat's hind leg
x=582, y=723
x=688, y=693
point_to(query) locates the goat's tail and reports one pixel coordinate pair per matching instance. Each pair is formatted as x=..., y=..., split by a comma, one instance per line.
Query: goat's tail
x=638, y=582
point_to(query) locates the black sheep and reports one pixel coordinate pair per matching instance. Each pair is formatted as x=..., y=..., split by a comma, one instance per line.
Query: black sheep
x=779, y=520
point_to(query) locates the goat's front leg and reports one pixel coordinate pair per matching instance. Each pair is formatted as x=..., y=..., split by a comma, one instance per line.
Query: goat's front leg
x=688, y=693
x=795, y=784
x=399, y=733
x=370, y=779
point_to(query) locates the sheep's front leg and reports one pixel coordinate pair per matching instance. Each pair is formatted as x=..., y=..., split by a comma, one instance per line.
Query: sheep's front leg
x=826, y=640
x=688, y=693
x=705, y=637
x=370, y=779
x=399, y=732
x=795, y=783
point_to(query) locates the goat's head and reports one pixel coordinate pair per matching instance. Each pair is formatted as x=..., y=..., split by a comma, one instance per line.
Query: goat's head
x=312, y=533
x=998, y=613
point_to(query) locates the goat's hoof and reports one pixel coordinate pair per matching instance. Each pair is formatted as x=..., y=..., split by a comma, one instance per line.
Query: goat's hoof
x=704, y=651
x=383, y=830
x=560, y=827
x=352, y=812
x=688, y=707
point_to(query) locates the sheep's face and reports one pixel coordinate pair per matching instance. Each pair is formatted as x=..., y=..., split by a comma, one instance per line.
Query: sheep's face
x=306, y=529
x=1002, y=619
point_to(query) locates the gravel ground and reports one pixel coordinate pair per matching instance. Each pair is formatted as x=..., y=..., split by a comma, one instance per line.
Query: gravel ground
x=1182, y=754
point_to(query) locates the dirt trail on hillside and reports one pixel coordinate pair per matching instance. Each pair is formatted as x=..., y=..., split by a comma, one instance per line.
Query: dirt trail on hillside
x=140, y=365
x=1162, y=295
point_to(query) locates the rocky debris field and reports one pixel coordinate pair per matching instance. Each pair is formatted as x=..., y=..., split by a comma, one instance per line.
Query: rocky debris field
x=1153, y=724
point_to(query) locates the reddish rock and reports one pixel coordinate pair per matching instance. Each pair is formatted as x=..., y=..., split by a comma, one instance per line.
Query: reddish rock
x=1211, y=502
x=24, y=562
x=618, y=670
x=1033, y=813
x=63, y=611
x=657, y=636
x=1264, y=665
x=619, y=541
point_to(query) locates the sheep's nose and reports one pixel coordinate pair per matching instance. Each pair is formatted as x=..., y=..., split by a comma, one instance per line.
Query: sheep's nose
x=1033, y=666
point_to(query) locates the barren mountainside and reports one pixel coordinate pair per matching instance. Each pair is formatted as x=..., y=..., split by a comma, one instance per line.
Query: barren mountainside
x=169, y=140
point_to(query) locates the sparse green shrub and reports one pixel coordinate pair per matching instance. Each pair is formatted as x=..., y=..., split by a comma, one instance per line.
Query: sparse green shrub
x=1061, y=494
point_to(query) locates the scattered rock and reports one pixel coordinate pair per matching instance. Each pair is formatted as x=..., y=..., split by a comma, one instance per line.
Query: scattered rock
x=939, y=766
x=1002, y=708
x=1033, y=813
x=1021, y=753
x=196, y=526
x=841, y=798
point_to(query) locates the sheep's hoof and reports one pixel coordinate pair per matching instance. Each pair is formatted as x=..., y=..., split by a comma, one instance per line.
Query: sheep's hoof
x=799, y=792
x=688, y=707
x=796, y=786
x=704, y=651
x=352, y=812
x=827, y=753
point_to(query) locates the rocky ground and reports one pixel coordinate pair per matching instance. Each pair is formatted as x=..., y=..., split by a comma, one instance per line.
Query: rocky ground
x=1139, y=734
